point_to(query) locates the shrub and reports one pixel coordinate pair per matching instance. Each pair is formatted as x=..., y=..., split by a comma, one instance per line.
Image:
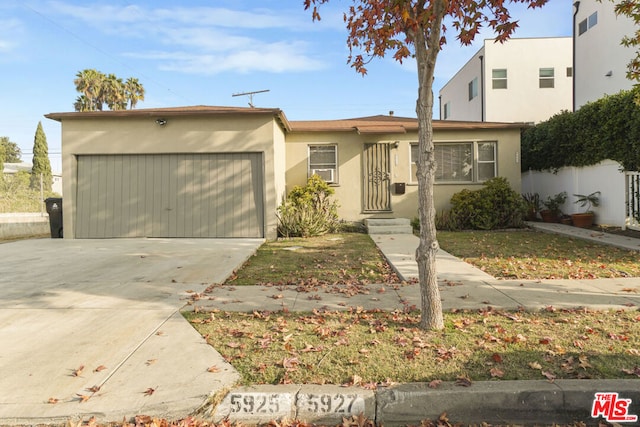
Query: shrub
x=495, y=205
x=308, y=211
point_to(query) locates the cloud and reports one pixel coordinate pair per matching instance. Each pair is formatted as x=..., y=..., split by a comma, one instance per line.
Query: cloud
x=273, y=58
x=204, y=40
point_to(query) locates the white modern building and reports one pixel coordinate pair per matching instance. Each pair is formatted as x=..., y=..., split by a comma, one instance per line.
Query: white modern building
x=600, y=59
x=521, y=80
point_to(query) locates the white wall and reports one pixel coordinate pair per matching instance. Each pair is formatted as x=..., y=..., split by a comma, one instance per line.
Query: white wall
x=598, y=52
x=456, y=92
x=524, y=100
x=605, y=177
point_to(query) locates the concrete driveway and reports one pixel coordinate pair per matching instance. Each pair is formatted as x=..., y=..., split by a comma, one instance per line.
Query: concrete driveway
x=111, y=307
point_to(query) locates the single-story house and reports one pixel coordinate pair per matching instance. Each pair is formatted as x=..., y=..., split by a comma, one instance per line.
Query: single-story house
x=222, y=171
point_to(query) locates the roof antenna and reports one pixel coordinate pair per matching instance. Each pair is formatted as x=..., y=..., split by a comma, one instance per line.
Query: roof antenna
x=250, y=95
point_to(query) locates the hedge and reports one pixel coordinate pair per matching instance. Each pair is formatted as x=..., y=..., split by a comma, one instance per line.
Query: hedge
x=608, y=128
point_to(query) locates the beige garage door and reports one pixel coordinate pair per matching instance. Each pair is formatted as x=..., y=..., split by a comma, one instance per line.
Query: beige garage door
x=170, y=195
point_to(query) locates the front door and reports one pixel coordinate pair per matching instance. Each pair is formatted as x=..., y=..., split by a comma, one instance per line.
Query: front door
x=377, y=182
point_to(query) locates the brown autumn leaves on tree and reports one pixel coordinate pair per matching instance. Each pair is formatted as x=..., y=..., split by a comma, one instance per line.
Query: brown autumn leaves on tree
x=416, y=29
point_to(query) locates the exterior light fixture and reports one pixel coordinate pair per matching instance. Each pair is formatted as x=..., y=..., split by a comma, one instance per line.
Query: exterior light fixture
x=161, y=122
x=609, y=73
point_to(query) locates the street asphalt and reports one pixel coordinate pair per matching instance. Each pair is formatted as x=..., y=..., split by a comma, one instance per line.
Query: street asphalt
x=93, y=328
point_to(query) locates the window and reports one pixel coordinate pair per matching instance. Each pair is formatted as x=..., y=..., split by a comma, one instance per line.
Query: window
x=582, y=27
x=569, y=71
x=587, y=24
x=546, y=77
x=323, y=161
x=460, y=161
x=499, y=78
x=473, y=88
x=447, y=110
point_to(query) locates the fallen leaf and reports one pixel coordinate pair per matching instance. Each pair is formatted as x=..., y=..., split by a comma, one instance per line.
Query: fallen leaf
x=159, y=333
x=496, y=358
x=435, y=383
x=213, y=369
x=83, y=397
x=149, y=391
x=52, y=400
x=100, y=368
x=548, y=375
x=78, y=372
x=635, y=371
x=151, y=361
x=94, y=389
x=496, y=373
x=535, y=365
x=290, y=363
x=630, y=290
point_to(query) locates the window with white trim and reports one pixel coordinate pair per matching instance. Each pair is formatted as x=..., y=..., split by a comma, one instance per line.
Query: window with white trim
x=460, y=162
x=499, y=78
x=447, y=110
x=546, y=78
x=323, y=161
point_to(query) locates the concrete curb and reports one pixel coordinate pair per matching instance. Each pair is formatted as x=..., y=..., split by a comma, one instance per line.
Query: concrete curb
x=494, y=402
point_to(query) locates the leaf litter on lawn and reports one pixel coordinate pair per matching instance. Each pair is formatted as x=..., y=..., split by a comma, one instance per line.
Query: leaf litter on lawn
x=327, y=347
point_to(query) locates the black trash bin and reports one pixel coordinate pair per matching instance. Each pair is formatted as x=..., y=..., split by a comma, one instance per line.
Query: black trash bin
x=54, y=209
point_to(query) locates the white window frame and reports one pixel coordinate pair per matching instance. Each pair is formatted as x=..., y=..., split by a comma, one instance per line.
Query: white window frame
x=499, y=80
x=447, y=110
x=324, y=170
x=546, y=80
x=475, y=162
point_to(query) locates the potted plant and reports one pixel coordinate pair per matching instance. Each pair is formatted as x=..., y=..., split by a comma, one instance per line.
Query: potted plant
x=585, y=219
x=553, y=212
x=533, y=204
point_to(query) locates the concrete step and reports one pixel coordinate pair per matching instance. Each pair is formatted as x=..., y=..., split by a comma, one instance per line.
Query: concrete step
x=388, y=226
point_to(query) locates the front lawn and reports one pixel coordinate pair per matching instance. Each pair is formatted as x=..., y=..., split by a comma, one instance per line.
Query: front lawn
x=536, y=255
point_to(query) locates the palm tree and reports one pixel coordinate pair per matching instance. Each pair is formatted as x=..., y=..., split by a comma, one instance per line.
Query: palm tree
x=90, y=83
x=98, y=89
x=134, y=92
x=114, y=93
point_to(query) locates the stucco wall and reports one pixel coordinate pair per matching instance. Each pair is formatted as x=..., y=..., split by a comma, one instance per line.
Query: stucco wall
x=14, y=225
x=348, y=191
x=141, y=135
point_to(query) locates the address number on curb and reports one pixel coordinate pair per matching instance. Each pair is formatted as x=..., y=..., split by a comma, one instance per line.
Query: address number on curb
x=259, y=403
x=331, y=403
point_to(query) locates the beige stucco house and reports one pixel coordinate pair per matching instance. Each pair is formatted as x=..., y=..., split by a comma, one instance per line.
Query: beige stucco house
x=222, y=171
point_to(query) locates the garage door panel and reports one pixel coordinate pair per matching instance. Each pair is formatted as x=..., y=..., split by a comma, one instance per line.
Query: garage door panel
x=170, y=195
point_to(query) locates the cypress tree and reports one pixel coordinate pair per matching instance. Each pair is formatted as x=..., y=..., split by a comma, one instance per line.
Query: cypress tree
x=41, y=163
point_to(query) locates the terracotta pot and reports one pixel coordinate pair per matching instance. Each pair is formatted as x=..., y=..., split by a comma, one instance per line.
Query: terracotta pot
x=549, y=216
x=582, y=220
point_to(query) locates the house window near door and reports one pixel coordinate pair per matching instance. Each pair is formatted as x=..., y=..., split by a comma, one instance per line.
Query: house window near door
x=546, y=78
x=323, y=161
x=460, y=162
x=499, y=78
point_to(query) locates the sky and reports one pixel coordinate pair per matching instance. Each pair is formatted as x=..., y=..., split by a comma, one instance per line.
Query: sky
x=202, y=52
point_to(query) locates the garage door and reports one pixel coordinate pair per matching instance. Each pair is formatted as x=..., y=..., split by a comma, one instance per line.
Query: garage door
x=170, y=195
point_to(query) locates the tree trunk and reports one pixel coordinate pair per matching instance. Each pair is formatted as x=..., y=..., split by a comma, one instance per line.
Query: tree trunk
x=427, y=46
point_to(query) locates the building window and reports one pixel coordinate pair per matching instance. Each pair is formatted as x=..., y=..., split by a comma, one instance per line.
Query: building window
x=473, y=88
x=546, y=77
x=582, y=27
x=323, y=161
x=447, y=110
x=499, y=78
x=460, y=161
x=587, y=24
x=569, y=71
